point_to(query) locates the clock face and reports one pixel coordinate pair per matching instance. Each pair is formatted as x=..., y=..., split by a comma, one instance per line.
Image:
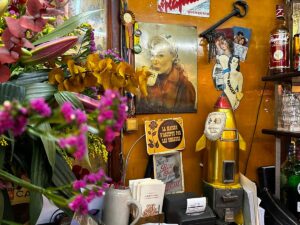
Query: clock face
x=127, y=18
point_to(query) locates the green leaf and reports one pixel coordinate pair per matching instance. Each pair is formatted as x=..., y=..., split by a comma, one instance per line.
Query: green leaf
x=10, y=92
x=65, y=96
x=30, y=77
x=62, y=174
x=67, y=27
x=9, y=222
x=39, y=90
x=5, y=207
x=39, y=176
x=1, y=205
x=49, y=145
x=2, y=156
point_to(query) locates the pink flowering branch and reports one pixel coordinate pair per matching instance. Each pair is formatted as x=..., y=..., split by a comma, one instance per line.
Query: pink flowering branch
x=84, y=192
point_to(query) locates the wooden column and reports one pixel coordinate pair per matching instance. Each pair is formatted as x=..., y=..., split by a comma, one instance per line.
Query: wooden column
x=113, y=42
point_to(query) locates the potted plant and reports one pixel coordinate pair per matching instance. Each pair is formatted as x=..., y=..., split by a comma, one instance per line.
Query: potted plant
x=53, y=104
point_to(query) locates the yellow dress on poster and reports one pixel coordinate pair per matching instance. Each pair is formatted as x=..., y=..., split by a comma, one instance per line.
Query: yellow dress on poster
x=164, y=135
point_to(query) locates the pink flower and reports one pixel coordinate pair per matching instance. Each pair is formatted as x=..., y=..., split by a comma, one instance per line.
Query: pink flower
x=81, y=147
x=6, y=121
x=109, y=135
x=41, y=107
x=19, y=125
x=77, y=184
x=100, y=192
x=79, y=204
x=80, y=116
x=91, y=195
x=68, y=112
x=76, y=144
x=91, y=178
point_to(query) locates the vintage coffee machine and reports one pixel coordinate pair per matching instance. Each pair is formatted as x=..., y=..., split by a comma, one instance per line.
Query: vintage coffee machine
x=222, y=142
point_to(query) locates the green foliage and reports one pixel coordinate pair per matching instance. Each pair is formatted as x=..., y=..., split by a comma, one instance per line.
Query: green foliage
x=11, y=92
x=1, y=205
x=49, y=145
x=39, y=90
x=67, y=27
x=62, y=174
x=30, y=77
x=65, y=96
x=39, y=175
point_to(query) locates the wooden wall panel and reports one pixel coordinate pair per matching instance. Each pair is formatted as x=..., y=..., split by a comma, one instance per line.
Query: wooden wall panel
x=261, y=19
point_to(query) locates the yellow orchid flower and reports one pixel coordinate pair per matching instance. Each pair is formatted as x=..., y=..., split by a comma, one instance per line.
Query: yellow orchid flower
x=124, y=70
x=106, y=64
x=117, y=81
x=92, y=62
x=142, y=75
x=74, y=84
x=89, y=80
x=131, y=87
x=105, y=71
x=56, y=76
x=104, y=79
x=74, y=69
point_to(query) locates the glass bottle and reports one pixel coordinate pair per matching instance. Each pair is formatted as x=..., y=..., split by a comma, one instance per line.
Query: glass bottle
x=286, y=171
x=296, y=32
x=279, y=61
x=296, y=55
x=293, y=185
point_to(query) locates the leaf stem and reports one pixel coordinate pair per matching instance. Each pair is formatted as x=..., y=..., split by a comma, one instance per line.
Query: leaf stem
x=60, y=201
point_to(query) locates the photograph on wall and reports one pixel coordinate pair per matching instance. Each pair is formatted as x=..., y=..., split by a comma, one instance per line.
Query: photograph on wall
x=223, y=50
x=97, y=21
x=170, y=53
x=241, y=41
x=168, y=168
x=200, y=8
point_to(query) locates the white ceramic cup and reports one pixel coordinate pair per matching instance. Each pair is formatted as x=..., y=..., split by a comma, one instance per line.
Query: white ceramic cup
x=116, y=208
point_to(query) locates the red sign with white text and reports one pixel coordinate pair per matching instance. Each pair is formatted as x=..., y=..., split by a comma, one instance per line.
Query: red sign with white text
x=199, y=8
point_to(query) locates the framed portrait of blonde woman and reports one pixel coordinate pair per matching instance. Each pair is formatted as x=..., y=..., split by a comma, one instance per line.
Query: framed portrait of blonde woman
x=170, y=53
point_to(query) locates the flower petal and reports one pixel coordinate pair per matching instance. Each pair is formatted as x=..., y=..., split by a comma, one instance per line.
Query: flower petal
x=4, y=73
x=92, y=62
x=54, y=74
x=34, y=7
x=89, y=80
x=14, y=27
x=5, y=56
x=29, y=22
x=50, y=50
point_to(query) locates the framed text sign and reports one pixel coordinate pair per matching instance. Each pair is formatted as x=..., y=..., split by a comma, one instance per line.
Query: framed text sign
x=164, y=135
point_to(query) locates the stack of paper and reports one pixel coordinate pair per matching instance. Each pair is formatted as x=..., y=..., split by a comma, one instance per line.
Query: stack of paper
x=150, y=193
x=253, y=214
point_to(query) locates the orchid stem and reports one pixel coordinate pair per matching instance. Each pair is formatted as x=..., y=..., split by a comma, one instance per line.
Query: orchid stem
x=55, y=198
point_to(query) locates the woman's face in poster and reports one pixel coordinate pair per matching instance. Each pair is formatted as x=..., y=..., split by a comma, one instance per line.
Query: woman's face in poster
x=161, y=58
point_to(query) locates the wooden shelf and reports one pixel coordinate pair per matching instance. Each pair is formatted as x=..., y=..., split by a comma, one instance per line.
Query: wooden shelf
x=276, y=132
x=288, y=76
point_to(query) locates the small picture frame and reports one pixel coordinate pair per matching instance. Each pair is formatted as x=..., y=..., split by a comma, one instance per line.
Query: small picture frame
x=168, y=168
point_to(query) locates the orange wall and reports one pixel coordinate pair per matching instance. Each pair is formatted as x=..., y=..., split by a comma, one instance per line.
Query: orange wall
x=260, y=19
